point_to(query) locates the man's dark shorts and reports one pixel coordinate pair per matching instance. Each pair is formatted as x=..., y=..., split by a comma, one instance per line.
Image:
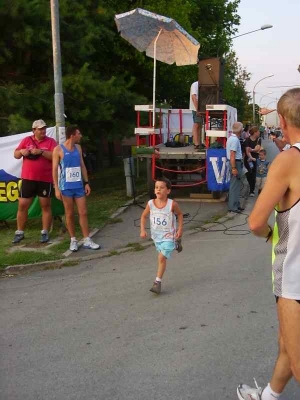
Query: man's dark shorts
x=31, y=189
x=196, y=118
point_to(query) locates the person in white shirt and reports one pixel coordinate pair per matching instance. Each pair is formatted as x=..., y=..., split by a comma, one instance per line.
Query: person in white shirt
x=194, y=93
x=235, y=159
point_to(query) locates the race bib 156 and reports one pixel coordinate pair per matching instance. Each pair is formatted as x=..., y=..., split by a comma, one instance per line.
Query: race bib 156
x=161, y=222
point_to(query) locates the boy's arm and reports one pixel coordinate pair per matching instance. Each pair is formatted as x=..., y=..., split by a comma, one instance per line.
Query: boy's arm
x=179, y=214
x=144, y=215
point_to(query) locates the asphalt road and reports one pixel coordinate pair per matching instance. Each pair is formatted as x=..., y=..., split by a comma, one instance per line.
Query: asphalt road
x=94, y=331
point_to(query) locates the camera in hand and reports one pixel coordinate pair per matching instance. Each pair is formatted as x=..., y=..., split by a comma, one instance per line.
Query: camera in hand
x=32, y=156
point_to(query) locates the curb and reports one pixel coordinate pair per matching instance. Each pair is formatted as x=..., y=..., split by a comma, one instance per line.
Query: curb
x=57, y=264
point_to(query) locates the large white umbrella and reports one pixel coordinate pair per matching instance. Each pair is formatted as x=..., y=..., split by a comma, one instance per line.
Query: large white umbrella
x=162, y=38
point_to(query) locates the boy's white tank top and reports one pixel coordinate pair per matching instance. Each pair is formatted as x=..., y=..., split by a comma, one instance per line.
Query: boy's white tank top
x=162, y=222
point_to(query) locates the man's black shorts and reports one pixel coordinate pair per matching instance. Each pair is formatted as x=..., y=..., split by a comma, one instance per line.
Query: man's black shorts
x=31, y=189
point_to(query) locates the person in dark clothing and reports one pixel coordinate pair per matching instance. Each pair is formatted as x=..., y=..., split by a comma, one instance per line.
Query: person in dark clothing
x=252, y=147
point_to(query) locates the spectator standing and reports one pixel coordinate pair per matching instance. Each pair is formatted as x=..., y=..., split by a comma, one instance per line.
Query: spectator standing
x=234, y=158
x=73, y=185
x=245, y=134
x=194, y=92
x=36, y=152
x=252, y=148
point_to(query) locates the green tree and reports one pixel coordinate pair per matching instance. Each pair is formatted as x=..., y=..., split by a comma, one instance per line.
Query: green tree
x=103, y=75
x=235, y=92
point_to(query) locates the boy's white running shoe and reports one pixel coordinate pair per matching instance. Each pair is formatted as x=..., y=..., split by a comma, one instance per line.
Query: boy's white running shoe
x=246, y=392
x=89, y=244
x=74, y=245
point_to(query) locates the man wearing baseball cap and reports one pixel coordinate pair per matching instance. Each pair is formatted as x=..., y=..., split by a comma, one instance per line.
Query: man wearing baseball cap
x=36, y=151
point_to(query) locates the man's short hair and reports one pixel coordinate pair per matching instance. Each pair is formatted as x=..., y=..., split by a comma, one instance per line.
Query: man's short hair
x=71, y=131
x=289, y=107
x=263, y=151
x=237, y=127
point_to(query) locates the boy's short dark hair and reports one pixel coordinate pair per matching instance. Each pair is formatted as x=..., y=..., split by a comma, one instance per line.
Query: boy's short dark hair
x=166, y=180
x=263, y=151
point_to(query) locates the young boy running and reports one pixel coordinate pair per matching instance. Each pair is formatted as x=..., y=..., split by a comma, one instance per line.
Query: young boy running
x=163, y=213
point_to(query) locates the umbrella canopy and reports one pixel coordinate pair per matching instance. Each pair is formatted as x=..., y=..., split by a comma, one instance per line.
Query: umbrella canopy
x=162, y=38
x=141, y=28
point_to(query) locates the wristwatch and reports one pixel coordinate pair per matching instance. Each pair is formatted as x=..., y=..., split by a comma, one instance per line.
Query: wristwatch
x=269, y=234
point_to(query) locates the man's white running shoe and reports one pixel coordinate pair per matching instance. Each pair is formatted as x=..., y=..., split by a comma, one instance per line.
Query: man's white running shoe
x=246, y=392
x=74, y=245
x=89, y=244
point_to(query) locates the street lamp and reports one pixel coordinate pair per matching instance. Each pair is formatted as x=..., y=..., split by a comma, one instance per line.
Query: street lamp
x=264, y=96
x=262, y=28
x=253, y=94
x=273, y=101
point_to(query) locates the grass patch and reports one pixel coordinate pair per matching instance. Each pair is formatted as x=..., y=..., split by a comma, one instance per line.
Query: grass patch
x=108, y=194
x=114, y=253
x=216, y=217
x=135, y=246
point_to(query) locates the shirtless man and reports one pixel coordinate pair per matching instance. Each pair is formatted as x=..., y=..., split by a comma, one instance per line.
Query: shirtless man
x=282, y=192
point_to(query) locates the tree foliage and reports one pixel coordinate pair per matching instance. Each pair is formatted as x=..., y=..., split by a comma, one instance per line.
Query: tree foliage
x=103, y=75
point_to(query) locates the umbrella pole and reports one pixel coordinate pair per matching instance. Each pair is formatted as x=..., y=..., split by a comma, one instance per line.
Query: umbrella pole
x=154, y=80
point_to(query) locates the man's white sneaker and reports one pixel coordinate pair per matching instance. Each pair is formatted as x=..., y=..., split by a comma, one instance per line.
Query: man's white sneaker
x=246, y=392
x=74, y=245
x=89, y=244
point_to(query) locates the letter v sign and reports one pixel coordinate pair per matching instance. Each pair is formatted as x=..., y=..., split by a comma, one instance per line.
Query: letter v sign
x=218, y=175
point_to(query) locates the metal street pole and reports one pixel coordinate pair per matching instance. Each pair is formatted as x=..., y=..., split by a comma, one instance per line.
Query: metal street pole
x=260, y=105
x=263, y=97
x=253, y=96
x=58, y=96
x=262, y=28
x=273, y=101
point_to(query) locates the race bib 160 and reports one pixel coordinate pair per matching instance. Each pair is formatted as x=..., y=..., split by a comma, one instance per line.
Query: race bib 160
x=73, y=174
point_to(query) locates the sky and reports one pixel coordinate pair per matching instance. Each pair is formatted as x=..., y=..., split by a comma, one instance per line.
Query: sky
x=271, y=51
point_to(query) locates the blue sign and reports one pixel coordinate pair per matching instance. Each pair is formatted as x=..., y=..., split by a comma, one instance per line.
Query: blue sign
x=218, y=174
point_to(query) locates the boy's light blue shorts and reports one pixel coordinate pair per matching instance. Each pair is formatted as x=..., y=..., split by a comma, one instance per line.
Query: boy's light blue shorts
x=165, y=248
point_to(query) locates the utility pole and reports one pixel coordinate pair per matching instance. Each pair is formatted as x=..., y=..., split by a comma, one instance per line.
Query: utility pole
x=58, y=96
